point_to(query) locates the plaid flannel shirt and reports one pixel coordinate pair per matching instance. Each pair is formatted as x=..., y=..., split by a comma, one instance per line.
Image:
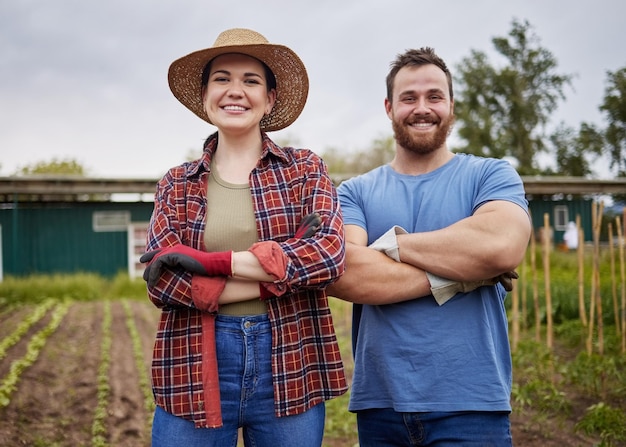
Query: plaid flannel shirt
x=286, y=185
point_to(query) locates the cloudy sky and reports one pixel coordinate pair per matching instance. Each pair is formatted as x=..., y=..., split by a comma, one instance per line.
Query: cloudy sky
x=87, y=80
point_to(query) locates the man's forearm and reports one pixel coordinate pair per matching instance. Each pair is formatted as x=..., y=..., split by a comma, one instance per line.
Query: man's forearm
x=491, y=242
x=374, y=278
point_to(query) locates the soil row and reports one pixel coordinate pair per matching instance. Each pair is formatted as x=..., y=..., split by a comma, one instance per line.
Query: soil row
x=56, y=397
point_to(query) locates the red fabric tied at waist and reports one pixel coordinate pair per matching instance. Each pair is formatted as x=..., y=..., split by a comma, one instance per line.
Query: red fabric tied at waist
x=205, y=292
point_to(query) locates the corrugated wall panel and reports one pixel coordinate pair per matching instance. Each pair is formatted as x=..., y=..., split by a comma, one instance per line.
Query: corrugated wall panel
x=575, y=207
x=59, y=237
x=54, y=238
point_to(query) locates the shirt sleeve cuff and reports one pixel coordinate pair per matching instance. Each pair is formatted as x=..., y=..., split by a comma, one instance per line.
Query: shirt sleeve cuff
x=206, y=290
x=274, y=262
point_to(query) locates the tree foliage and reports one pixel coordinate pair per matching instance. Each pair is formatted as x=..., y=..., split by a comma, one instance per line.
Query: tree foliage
x=574, y=150
x=381, y=151
x=504, y=111
x=614, y=107
x=54, y=166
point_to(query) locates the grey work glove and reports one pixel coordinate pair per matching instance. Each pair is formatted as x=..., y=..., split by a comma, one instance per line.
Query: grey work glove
x=443, y=289
x=388, y=243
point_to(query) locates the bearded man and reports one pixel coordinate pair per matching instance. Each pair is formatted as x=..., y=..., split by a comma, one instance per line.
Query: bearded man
x=431, y=368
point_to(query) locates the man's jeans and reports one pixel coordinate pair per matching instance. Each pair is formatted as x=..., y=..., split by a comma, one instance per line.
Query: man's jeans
x=245, y=371
x=386, y=428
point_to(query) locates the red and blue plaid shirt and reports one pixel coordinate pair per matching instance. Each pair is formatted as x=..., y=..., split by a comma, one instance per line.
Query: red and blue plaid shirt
x=286, y=185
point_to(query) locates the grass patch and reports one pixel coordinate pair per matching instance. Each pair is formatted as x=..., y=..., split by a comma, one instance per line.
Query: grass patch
x=75, y=287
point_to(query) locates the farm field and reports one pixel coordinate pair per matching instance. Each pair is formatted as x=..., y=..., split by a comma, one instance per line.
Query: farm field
x=74, y=373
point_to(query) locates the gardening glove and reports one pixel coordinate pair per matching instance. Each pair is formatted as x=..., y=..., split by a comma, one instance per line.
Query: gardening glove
x=192, y=260
x=506, y=279
x=388, y=243
x=309, y=225
x=269, y=254
x=443, y=289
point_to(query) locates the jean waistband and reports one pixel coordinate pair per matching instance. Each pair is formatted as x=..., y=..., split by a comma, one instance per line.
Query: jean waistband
x=246, y=322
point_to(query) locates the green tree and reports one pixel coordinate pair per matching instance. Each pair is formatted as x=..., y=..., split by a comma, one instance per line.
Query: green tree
x=504, y=112
x=575, y=151
x=54, y=166
x=476, y=113
x=380, y=152
x=336, y=161
x=614, y=107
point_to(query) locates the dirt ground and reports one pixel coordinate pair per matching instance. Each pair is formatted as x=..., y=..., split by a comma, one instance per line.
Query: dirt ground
x=56, y=396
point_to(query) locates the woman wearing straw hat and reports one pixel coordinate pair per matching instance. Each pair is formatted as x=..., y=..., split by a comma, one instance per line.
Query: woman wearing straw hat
x=241, y=245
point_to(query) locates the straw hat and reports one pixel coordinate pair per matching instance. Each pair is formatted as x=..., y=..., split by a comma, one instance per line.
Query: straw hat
x=292, y=82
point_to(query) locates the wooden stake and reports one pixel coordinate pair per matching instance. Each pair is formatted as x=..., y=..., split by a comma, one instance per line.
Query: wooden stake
x=524, y=298
x=614, y=282
x=533, y=268
x=597, y=221
x=592, y=295
x=515, y=318
x=546, y=274
x=622, y=269
x=582, y=310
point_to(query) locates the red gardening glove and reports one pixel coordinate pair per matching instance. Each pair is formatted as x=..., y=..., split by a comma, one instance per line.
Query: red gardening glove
x=195, y=261
x=309, y=225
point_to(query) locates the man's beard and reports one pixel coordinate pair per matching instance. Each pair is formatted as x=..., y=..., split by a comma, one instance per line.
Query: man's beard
x=421, y=144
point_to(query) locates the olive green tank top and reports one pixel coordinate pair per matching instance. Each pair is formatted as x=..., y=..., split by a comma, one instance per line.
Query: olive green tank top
x=231, y=225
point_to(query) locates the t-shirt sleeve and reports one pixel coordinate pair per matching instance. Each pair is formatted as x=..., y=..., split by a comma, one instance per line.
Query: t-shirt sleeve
x=350, y=201
x=500, y=181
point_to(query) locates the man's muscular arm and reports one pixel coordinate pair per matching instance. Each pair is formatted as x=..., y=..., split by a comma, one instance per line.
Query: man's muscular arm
x=490, y=242
x=371, y=277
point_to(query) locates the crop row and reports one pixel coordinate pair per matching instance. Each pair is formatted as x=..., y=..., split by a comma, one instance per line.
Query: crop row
x=9, y=383
x=51, y=314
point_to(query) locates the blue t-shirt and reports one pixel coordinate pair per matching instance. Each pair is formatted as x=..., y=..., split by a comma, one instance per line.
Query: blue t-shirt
x=417, y=356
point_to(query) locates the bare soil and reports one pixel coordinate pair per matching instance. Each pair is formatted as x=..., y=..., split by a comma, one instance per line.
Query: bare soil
x=56, y=397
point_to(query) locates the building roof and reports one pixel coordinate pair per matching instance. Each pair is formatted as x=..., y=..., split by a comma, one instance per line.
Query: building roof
x=74, y=188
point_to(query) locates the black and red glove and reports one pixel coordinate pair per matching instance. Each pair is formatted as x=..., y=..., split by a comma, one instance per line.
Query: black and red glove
x=309, y=225
x=195, y=261
x=207, y=263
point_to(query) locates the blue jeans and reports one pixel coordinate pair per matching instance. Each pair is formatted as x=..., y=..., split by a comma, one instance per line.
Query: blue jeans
x=386, y=427
x=245, y=370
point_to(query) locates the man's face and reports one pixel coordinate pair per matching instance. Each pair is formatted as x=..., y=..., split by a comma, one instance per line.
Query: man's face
x=422, y=112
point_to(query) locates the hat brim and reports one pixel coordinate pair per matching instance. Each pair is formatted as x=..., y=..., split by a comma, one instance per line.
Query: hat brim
x=292, y=81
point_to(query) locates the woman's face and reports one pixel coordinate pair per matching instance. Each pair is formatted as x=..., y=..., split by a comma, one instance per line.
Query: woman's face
x=236, y=96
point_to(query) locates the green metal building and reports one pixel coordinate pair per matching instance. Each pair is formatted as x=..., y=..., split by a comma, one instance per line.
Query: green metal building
x=74, y=224
x=560, y=211
x=72, y=237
